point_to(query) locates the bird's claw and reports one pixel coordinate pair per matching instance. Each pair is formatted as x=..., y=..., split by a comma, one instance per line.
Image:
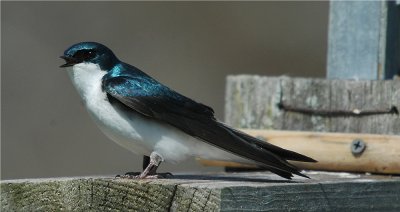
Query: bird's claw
x=137, y=175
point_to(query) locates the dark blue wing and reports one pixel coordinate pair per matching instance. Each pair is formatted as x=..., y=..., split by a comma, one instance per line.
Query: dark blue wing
x=150, y=98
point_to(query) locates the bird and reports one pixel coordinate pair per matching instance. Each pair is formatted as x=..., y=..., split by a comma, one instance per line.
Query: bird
x=148, y=118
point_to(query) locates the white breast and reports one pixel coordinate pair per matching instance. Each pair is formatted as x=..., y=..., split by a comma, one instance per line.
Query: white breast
x=133, y=131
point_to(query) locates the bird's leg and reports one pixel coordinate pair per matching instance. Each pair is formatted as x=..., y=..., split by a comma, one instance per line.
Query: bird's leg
x=150, y=170
x=146, y=161
x=150, y=165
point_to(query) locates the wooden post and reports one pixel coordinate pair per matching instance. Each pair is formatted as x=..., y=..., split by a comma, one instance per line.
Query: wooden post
x=364, y=40
x=363, y=44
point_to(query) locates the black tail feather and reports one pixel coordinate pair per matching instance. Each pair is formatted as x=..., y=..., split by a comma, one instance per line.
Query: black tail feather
x=281, y=173
x=282, y=168
x=284, y=153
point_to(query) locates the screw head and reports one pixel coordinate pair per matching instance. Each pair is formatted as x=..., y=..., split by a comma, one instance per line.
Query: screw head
x=357, y=147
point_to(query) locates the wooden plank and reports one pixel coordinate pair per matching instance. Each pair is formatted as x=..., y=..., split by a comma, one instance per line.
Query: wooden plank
x=252, y=103
x=363, y=41
x=220, y=192
x=333, y=151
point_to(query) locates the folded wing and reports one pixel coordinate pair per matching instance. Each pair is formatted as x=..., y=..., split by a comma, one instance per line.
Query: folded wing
x=154, y=100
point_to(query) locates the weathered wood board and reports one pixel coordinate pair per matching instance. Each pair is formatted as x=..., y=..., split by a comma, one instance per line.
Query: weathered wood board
x=252, y=102
x=364, y=40
x=221, y=192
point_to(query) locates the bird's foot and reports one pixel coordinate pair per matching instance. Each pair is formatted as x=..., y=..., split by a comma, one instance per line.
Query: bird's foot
x=150, y=171
x=128, y=175
x=156, y=176
x=138, y=175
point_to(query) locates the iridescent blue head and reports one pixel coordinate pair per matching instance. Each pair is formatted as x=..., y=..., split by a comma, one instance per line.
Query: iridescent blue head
x=90, y=52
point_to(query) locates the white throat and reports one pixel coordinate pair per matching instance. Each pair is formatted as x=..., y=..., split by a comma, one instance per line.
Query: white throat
x=86, y=78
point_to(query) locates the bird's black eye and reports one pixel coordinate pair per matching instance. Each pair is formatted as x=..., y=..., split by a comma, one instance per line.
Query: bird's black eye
x=85, y=54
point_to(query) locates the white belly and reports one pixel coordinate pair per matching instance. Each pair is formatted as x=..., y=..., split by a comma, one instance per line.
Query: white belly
x=133, y=131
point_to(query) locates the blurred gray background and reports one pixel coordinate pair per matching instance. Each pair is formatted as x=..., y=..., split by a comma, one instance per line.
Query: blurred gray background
x=190, y=46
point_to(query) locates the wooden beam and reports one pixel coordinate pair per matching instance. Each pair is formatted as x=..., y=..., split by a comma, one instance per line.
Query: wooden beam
x=260, y=191
x=333, y=150
x=253, y=102
x=364, y=40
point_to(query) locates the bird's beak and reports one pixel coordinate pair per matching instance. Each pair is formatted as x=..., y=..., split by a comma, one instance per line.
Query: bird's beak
x=69, y=61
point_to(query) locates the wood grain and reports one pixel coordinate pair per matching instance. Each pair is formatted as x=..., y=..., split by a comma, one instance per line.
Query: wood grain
x=252, y=103
x=259, y=191
x=363, y=41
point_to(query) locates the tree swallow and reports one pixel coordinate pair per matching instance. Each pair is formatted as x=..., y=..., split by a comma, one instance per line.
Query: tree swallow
x=148, y=118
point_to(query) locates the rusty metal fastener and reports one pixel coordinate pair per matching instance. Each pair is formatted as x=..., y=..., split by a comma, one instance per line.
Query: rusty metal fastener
x=357, y=147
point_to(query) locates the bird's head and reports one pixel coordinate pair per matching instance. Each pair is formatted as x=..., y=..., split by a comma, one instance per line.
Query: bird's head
x=89, y=52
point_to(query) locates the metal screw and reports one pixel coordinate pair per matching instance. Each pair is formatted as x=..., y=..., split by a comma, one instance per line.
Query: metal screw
x=357, y=147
